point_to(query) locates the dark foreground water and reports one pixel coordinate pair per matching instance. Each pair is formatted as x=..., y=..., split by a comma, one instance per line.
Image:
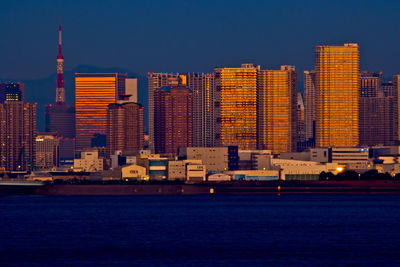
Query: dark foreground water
x=200, y=231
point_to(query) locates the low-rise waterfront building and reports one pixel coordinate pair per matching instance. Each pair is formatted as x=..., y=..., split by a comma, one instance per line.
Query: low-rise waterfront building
x=134, y=172
x=254, y=175
x=216, y=159
x=89, y=162
x=156, y=166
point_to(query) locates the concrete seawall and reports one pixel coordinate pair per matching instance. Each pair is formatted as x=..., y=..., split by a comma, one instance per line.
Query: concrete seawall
x=272, y=187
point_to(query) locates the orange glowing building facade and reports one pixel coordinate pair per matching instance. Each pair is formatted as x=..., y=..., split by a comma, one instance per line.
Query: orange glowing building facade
x=337, y=96
x=93, y=94
x=277, y=110
x=235, y=106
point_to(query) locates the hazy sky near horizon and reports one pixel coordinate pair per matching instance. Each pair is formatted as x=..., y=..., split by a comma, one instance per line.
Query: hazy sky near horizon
x=193, y=36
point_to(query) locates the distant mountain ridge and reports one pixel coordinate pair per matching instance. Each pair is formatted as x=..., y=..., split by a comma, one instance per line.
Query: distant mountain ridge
x=43, y=91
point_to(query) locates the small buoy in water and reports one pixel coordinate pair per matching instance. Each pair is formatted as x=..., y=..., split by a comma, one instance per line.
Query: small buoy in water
x=212, y=191
x=279, y=188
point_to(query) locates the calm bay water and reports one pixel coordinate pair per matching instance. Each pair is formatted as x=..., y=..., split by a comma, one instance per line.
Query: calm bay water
x=200, y=230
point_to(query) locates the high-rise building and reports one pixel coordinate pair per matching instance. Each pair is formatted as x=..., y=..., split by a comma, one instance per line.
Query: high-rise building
x=202, y=86
x=309, y=103
x=93, y=93
x=301, y=124
x=337, y=97
x=125, y=128
x=277, y=110
x=17, y=135
x=12, y=92
x=376, y=120
x=375, y=111
x=173, y=119
x=236, y=106
x=157, y=81
x=396, y=108
x=60, y=118
x=131, y=89
x=47, y=150
x=370, y=83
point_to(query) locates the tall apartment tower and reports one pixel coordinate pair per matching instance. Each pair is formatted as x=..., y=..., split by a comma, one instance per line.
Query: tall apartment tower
x=93, y=93
x=60, y=118
x=277, y=110
x=376, y=120
x=301, y=123
x=396, y=108
x=157, y=81
x=202, y=86
x=125, y=128
x=309, y=103
x=375, y=111
x=17, y=135
x=236, y=106
x=173, y=119
x=337, y=98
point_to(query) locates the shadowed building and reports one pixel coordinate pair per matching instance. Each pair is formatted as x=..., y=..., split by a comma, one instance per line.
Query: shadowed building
x=12, y=92
x=173, y=119
x=337, y=97
x=125, y=128
x=17, y=135
x=60, y=119
x=370, y=83
x=157, y=81
x=376, y=111
x=301, y=124
x=47, y=150
x=309, y=103
x=376, y=120
x=236, y=106
x=387, y=88
x=277, y=110
x=202, y=86
x=396, y=108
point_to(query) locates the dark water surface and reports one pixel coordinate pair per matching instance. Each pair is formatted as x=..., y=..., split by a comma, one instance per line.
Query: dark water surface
x=226, y=230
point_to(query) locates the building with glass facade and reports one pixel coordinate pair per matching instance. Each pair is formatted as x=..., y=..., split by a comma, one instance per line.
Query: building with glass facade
x=93, y=93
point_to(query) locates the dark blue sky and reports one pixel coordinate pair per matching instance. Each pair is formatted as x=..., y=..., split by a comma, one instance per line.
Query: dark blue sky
x=172, y=36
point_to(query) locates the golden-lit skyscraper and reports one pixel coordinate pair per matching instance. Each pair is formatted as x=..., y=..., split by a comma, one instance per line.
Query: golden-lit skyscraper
x=93, y=93
x=337, y=96
x=235, y=106
x=277, y=109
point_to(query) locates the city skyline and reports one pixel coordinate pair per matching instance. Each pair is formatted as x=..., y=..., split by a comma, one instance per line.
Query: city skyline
x=141, y=42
